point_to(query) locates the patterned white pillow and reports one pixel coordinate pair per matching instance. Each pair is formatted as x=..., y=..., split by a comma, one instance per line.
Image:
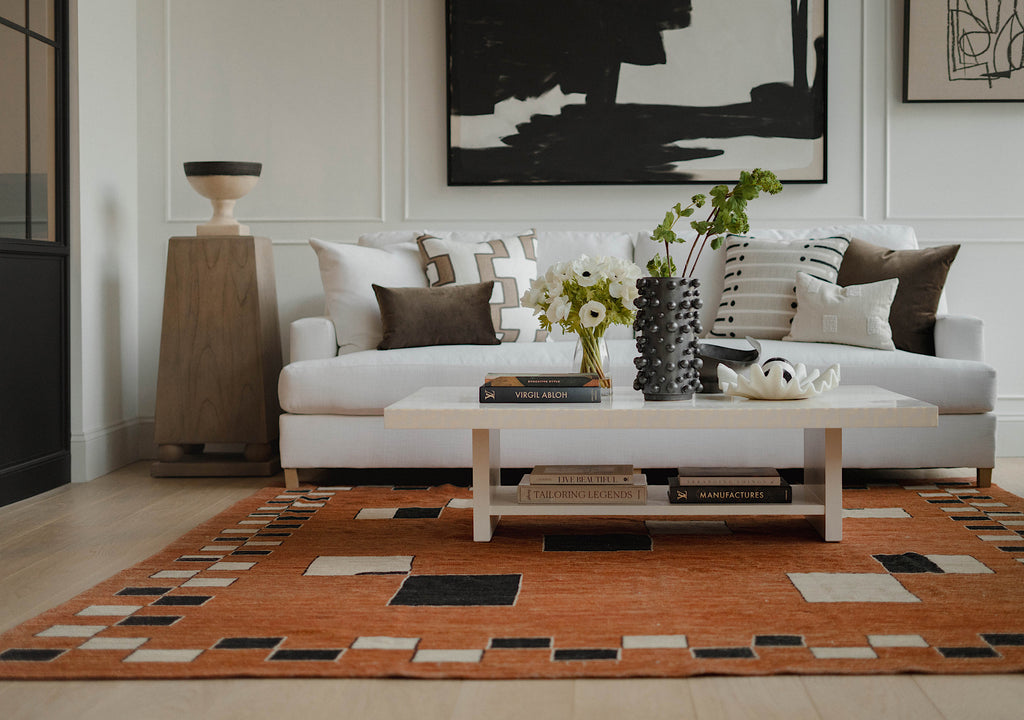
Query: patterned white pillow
x=851, y=315
x=510, y=260
x=759, y=292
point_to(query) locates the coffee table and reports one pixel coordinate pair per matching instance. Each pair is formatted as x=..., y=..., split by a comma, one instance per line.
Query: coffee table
x=822, y=419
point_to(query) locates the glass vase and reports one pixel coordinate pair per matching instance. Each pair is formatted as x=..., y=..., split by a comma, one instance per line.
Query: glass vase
x=591, y=356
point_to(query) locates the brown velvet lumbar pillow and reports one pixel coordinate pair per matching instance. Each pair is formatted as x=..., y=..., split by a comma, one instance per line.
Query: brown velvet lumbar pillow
x=450, y=315
x=922, y=275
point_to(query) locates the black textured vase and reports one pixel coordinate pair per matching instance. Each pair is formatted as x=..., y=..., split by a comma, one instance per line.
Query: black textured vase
x=666, y=328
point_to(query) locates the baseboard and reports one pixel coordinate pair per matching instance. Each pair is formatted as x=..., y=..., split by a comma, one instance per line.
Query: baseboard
x=98, y=452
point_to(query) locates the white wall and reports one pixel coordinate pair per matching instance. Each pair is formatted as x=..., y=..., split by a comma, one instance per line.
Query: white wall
x=344, y=103
x=104, y=239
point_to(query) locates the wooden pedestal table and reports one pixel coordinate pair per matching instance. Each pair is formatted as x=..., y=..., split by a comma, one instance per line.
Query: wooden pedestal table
x=822, y=419
x=220, y=357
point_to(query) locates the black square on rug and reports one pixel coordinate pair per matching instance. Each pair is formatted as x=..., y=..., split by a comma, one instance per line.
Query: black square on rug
x=460, y=590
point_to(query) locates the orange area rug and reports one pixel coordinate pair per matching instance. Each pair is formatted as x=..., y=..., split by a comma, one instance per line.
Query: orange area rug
x=387, y=582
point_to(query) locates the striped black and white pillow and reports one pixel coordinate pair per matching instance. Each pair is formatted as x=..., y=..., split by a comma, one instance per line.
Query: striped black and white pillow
x=759, y=292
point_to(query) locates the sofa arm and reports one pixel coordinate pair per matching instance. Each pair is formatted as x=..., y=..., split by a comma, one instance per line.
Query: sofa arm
x=959, y=337
x=312, y=338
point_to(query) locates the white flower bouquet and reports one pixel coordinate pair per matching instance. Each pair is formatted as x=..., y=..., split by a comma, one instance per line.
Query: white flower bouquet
x=586, y=296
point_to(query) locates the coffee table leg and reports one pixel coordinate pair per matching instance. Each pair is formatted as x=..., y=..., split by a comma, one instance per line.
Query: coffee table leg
x=486, y=476
x=823, y=475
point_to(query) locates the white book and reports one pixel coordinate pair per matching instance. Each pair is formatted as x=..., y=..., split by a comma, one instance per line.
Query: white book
x=583, y=494
x=580, y=474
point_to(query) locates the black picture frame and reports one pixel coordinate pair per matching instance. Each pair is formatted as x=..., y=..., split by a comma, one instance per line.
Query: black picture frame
x=546, y=93
x=963, y=51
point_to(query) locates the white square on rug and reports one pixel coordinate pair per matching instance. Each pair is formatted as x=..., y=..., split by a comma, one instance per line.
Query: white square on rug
x=360, y=565
x=851, y=587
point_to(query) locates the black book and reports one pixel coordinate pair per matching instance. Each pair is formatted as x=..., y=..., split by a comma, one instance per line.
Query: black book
x=490, y=394
x=730, y=494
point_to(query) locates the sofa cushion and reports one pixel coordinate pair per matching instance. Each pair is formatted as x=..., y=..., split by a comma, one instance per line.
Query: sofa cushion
x=922, y=276
x=363, y=383
x=852, y=315
x=510, y=261
x=451, y=315
x=348, y=272
x=759, y=293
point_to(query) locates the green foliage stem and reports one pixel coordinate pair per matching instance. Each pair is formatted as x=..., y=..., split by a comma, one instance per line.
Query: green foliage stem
x=728, y=215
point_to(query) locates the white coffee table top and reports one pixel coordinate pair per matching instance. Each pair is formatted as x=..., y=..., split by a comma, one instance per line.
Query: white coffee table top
x=845, y=407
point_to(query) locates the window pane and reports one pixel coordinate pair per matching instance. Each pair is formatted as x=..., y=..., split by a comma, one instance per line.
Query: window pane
x=13, y=134
x=42, y=136
x=13, y=10
x=40, y=17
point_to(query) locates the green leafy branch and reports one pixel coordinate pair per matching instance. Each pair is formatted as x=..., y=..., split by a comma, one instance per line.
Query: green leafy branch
x=728, y=215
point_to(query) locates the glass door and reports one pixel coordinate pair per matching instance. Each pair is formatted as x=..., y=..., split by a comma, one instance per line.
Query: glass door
x=34, y=362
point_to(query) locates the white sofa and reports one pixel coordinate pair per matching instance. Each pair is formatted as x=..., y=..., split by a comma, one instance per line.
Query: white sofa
x=333, y=399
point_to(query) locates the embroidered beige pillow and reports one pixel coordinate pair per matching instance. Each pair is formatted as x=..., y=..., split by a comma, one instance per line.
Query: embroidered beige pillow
x=510, y=261
x=852, y=315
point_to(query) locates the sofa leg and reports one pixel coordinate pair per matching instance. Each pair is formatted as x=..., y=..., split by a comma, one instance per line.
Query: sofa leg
x=291, y=479
x=984, y=477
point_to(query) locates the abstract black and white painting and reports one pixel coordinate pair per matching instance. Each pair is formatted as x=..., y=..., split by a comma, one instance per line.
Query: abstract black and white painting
x=963, y=51
x=594, y=92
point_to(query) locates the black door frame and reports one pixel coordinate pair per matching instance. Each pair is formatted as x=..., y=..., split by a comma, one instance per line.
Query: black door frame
x=30, y=475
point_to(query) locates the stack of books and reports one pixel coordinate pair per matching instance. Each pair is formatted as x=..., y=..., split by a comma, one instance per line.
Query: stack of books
x=583, y=485
x=541, y=388
x=697, y=485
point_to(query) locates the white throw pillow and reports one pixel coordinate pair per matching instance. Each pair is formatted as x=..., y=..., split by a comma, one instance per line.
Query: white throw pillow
x=384, y=239
x=759, y=287
x=851, y=315
x=348, y=273
x=510, y=260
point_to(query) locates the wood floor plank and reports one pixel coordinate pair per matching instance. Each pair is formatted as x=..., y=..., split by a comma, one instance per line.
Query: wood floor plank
x=647, y=698
x=969, y=697
x=514, y=699
x=741, y=698
x=869, y=697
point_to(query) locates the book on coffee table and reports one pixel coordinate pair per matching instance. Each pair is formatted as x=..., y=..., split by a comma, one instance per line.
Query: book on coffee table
x=542, y=380
x=539, y=394
x=577, y=474
x=634, y=493
x=726, y=476
x=730, y=494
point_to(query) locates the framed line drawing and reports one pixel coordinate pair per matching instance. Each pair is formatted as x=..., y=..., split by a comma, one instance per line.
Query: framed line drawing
x=963, y=51
x=592, y=92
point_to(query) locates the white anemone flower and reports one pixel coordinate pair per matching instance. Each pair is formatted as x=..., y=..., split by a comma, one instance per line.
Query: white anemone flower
x=588, y=270
x=559, y=309
x=619, y=288
x=556, y=276
x=532, y=297
x=592, y=314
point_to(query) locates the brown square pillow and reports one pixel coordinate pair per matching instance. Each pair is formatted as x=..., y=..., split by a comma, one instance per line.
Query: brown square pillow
x=922, y=275
x=450, y=315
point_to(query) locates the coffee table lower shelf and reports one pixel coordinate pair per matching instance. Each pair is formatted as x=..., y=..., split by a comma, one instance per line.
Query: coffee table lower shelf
x=805, y=502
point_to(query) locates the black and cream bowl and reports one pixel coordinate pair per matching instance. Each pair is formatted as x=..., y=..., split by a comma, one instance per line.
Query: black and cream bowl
x=207, y=168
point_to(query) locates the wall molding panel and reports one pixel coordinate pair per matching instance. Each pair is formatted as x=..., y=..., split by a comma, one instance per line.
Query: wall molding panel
x=177, y=199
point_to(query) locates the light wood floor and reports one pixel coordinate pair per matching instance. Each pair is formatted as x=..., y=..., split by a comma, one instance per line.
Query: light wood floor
x=58, y=544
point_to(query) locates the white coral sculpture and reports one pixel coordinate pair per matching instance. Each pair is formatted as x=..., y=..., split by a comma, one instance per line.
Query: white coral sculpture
x=770, y=382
